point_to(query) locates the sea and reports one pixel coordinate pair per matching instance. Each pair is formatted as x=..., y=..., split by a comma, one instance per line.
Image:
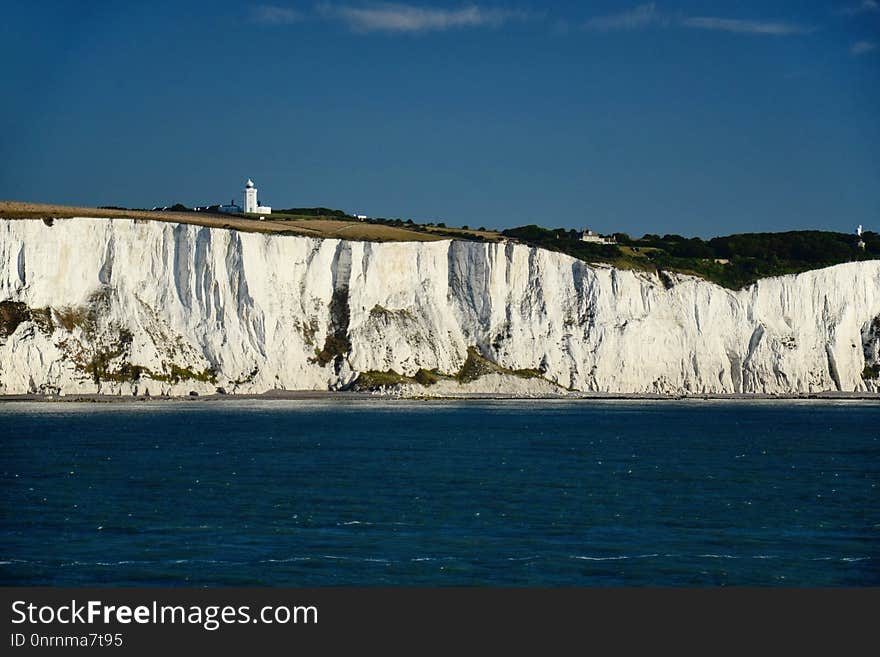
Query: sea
x=433, y=493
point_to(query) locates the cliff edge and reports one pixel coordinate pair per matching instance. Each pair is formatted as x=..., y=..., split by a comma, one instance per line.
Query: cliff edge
x=136, y=306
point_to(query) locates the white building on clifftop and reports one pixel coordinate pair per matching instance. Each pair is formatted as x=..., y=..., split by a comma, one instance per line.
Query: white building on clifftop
x=251, y=204
x=588, y=235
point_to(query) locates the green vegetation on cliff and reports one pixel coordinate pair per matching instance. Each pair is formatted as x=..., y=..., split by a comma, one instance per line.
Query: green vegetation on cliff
x=475, y=366
x=734, y=261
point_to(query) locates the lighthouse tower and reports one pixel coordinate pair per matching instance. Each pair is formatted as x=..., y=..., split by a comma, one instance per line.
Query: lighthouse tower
x=250, y=197
x=250, y=200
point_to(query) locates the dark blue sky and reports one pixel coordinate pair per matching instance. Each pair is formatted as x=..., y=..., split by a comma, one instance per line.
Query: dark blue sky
x=690, y=117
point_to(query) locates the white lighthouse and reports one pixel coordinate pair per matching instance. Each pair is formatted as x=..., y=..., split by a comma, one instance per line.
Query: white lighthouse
x=250, y=200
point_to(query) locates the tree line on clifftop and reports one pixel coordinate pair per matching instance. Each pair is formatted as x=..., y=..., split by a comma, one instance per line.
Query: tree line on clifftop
x=733, y=261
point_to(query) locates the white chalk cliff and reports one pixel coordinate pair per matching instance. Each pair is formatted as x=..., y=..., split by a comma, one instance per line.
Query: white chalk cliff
x=127, y=306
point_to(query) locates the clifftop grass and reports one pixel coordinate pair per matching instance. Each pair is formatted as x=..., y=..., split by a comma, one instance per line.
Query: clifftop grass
x=281, y=223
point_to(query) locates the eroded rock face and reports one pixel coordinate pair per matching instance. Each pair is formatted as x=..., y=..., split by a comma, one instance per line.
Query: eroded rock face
x=100, y=305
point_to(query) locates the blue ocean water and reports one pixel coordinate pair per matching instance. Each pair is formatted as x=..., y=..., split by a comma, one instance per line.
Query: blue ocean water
x=439, y=493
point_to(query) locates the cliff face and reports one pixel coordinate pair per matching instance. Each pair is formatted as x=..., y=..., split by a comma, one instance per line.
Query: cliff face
x=97, y=305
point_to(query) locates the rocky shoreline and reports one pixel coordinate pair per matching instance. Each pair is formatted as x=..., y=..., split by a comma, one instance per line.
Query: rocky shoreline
x=323, y=395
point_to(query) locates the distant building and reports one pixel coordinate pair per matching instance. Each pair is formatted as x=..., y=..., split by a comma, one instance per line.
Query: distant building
x=861, y=242
x=361, y=217
x=588, y=235
x=231, y=208
x=250, y=200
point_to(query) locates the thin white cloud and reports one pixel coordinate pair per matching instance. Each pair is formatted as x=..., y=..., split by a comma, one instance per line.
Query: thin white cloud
x=275, y=15
x=648, y=16
x=864, y=7
x=395, y=17
x=636, y=18
x=745, y=27
x=862, y=47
